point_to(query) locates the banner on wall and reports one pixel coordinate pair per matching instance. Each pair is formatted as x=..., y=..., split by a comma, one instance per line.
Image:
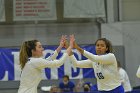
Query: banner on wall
x=28, y=10
x=10, y=68
x=2, y=11
x=84, y=8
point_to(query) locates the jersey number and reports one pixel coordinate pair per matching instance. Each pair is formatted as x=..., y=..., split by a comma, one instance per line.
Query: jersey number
x=100, y=75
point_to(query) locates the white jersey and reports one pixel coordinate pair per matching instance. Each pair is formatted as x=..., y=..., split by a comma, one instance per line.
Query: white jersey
x=125, y=80
x=138, y=72
x=105, y=69
x=31, y=74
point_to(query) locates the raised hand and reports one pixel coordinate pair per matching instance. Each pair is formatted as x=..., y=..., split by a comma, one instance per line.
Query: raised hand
x=66, y=44
x=72, y=41
x=63, y=40
x=62, y=43
x=69, y=49
x=73, y=44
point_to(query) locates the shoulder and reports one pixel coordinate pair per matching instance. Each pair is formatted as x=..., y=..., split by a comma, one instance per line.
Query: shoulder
x=34, y=60
x=122, y=70
x=111, y=54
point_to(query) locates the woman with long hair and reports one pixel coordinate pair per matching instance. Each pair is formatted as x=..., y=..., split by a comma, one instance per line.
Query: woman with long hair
x=32, y=63
x=104, y=64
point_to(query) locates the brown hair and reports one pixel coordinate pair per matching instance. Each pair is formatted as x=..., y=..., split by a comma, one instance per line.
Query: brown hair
x=26, y=51
x=66, y=76
x=107, y=43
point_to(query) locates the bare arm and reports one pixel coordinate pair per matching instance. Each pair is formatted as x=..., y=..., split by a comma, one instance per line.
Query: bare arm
x=73, y=44
x=78, y=48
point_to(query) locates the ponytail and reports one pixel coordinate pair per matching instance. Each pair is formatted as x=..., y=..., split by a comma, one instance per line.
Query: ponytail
x=23, y=56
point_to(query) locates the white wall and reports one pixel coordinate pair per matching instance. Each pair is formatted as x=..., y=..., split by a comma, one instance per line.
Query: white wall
x=132, y=49
x=48, y=34
x=128, y=35
x=130, y=10
x=113, y=32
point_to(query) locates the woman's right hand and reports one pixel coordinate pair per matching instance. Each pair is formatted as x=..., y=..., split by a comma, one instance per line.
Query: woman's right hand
x=73, y=44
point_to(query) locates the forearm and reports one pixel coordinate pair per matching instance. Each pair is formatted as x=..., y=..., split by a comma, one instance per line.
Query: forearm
x=79, y=49
x=82, y=63
x=58, y=63
x=69, y=51
x=43, y=63
x=59, y=48
x=53, y=56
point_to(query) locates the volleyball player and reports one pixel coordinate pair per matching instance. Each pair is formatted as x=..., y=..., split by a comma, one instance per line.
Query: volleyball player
x=124, y=78
x=104, y=64
x=32, y=63
x=138, y=72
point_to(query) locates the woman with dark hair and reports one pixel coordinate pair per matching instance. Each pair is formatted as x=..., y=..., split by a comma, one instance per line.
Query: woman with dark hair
x=32, y=63
x=104, y=64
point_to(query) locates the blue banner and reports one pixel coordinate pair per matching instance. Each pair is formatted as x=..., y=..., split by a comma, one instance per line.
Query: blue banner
x=10, y=68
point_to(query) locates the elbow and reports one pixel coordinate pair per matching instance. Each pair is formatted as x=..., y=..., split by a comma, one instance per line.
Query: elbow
x=75, y=65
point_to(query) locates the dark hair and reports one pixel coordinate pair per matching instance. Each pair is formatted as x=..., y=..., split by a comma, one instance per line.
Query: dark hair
x=118, y=64
x=107, y=43
x=26, y=51
x=87, y=87
x=87, y=83
x=66, y=76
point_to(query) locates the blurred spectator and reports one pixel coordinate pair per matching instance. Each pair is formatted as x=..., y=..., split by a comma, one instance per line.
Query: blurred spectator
x=54, y=89
x=87, y=86
x=124, y=79
x=66, y=85
x=79, y=85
